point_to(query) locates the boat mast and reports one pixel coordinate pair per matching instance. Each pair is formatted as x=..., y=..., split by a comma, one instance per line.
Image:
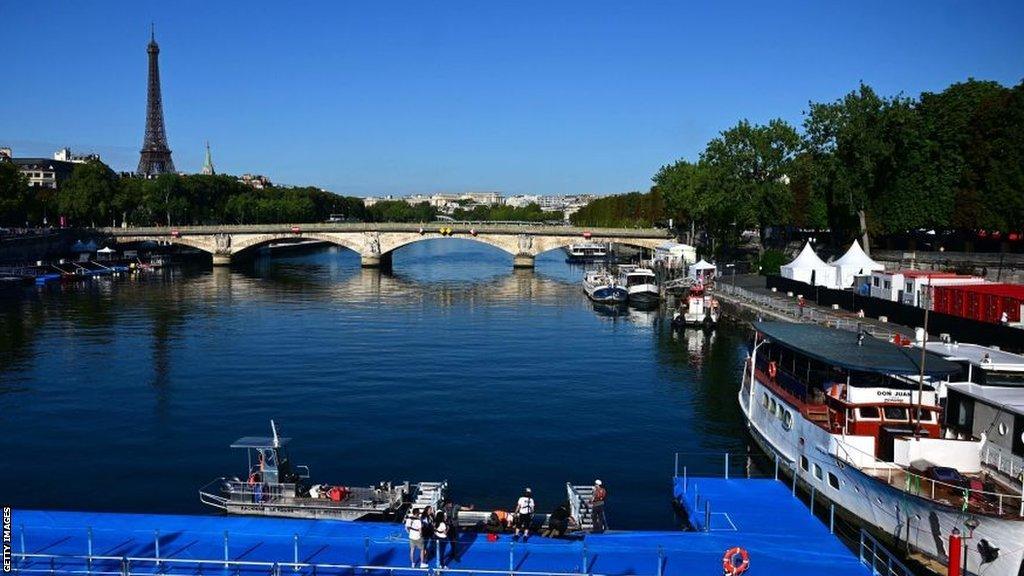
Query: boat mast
x=924, y=351
x=273, y=429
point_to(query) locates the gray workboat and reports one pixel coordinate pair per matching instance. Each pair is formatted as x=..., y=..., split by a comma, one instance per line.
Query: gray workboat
x=273, y=486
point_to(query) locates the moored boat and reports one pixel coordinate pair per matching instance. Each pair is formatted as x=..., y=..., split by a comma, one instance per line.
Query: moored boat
x=851, y=416
x=641, y=284
x=698, y=309
x=601, y=286
x=274, y=486
x=586, y=252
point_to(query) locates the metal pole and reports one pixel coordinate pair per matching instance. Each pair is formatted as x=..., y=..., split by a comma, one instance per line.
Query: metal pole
x=366, y=550
x=675, y=471
x=813, y=492
x=794, y=481
x=726, y=465
x=685, y=481
x=511, y=557
x=586, y=567
x=90, y=549
x=156, y=545
x=707, y=516
x=295, y=554
x=661, y=561
x=776, y=466
x=832, y=518
x=22, y=542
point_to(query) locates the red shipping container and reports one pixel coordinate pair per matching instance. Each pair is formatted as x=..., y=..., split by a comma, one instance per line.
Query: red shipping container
x=984, y=302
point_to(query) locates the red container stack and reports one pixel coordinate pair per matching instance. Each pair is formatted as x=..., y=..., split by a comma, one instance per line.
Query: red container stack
x=984, y=302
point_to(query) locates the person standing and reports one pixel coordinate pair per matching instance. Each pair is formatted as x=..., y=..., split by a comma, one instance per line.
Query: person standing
x=414, y=527
x=524, y=514
x=597, y=499
x=442, y=535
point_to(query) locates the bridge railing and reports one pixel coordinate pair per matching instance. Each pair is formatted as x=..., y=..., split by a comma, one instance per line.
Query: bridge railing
x=459, y=227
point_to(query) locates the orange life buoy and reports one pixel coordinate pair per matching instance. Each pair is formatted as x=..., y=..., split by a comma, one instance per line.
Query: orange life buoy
x=773, y=370
x=729, y=564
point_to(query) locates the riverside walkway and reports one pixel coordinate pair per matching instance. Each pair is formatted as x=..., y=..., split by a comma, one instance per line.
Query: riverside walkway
x=375, y=242
x=748, y=295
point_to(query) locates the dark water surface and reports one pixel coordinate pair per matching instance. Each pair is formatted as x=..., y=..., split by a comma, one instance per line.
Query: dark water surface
x=124, y=395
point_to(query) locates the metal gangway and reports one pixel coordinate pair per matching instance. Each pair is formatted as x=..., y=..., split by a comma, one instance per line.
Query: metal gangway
x=579, y=506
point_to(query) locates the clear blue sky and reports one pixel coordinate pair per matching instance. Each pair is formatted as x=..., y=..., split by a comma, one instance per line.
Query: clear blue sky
x=522, y=97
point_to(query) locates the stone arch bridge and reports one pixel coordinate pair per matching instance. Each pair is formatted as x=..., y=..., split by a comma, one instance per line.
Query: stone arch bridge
x=376, y=242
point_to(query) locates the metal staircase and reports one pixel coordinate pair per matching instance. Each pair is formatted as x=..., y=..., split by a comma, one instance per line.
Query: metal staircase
x=579, y=498
x=430, y=494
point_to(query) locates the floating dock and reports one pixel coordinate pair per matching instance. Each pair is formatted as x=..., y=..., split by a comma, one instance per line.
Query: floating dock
x=759, y=515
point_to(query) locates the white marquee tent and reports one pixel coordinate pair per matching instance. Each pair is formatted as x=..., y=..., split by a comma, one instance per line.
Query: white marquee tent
x=702, y=270
x=810, y=269
x=854, y=263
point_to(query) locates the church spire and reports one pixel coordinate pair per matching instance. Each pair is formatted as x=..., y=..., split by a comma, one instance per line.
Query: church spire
x=208, y=164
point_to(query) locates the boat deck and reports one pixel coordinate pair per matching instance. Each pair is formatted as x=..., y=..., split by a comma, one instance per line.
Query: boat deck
x=759, y=515
x=996, y=500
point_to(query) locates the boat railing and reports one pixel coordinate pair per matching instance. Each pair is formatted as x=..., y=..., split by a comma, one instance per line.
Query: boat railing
x=296, y=559
x=1010, y=465
x=224, y=490
x=985, y=502
x=879, y=559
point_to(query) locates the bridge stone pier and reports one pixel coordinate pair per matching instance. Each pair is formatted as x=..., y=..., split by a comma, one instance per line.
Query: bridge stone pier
x=375, y=243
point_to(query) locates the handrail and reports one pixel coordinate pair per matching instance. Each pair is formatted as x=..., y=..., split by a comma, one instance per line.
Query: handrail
x=879, y=557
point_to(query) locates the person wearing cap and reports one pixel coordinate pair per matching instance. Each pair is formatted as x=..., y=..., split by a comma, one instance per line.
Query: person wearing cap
x=597, y=498
x=524, y=514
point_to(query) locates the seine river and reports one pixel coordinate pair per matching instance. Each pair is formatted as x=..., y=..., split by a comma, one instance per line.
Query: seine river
x=124, y=395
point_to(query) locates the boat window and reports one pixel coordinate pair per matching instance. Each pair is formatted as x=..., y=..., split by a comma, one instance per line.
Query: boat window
x=926, y=416
x=764, y=400
x=774, y=406
x=868, y=413
x=787, y=420
x=895, y=413
x=833, y=480
x=804, y=463
x=817, y=471
x=1002, y=428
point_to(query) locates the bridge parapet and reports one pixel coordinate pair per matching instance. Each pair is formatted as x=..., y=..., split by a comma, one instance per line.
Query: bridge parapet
x=375, y=242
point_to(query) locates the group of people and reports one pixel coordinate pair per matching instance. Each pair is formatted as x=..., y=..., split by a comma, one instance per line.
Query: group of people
x=520, y=520
x=429, y=529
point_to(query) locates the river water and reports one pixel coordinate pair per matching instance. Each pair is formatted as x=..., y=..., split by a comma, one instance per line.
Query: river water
x=124, y=395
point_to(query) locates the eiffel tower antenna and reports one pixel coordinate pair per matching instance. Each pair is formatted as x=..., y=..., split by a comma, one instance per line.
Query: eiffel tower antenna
x=155, y=156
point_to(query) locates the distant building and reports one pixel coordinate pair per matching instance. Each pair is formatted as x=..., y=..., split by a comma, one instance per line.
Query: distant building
x=42, y=172
x=257, y=181
x=65, y=155
x=522, y=200
x=907, y=286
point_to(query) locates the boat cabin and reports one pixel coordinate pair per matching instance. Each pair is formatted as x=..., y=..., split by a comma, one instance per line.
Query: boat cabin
x=850, y=383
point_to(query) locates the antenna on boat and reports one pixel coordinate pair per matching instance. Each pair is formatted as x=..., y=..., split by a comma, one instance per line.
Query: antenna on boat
x=924, y=352
x=273, y=429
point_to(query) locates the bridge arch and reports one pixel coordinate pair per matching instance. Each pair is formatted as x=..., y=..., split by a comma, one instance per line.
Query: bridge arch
x=244, y=243
x=499, y=242
x=199, y=243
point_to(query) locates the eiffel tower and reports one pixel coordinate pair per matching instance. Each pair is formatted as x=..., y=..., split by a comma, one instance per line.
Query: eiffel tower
x=155, y=156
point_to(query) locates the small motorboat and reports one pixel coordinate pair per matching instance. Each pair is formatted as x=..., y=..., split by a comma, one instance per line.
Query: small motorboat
x=641, y=283
x=602, y=287
x=701, y=309
x=273, y=486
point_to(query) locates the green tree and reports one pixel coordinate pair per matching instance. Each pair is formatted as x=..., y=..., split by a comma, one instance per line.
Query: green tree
x=749, y=167
x=14, y=195
x=87, y=196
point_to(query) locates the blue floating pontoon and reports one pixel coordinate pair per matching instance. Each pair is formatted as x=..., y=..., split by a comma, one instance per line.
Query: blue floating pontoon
x=759, y=515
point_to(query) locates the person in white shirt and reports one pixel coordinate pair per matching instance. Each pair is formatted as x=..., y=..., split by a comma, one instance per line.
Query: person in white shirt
x=524, y=514
x=414, y=526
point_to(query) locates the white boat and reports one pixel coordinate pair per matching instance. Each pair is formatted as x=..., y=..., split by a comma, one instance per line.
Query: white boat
x=586, y=252
x=601, y=286
x=273, y=486
x=641, y=283
x=847, y=414
x=699, y=309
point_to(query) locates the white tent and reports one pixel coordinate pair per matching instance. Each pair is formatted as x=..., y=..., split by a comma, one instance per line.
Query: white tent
x=810, y=269
x=702, y=270
x=854, y=263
